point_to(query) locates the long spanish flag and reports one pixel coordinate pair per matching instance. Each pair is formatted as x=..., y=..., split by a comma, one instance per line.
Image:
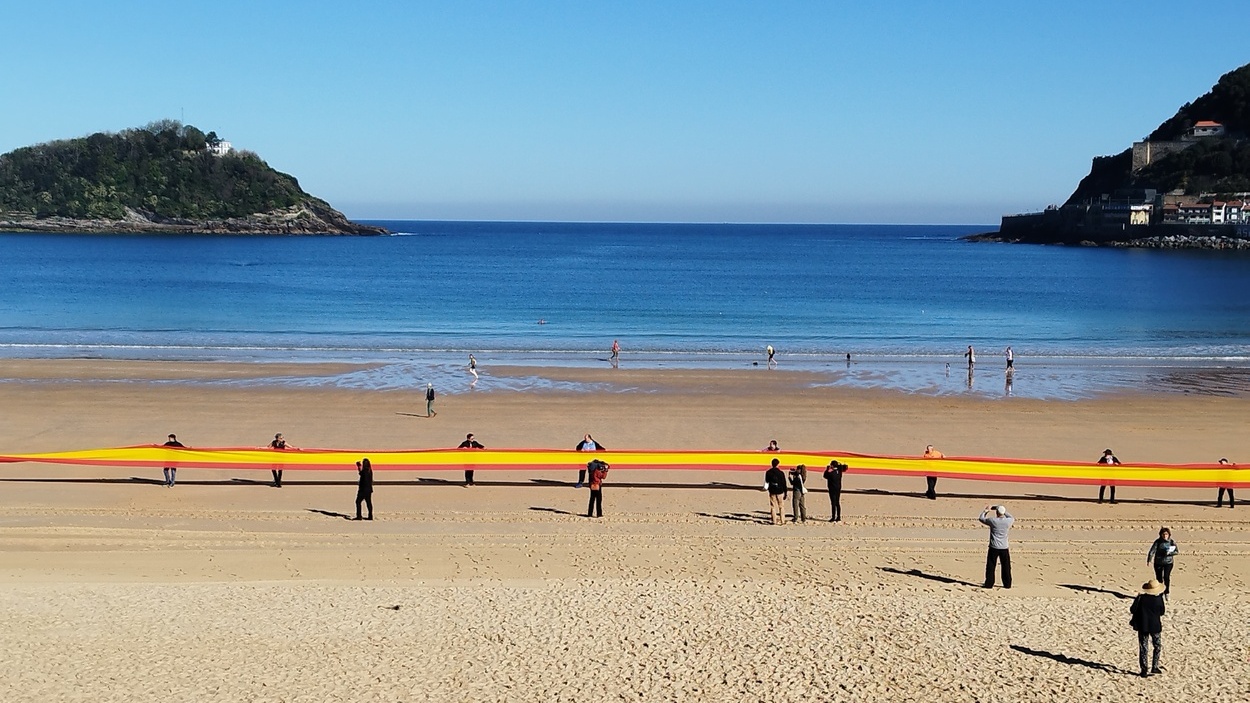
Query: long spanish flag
x=976, y=468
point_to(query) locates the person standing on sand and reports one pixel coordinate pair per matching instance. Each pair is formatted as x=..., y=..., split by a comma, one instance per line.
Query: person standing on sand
x=469, y=443
x=364, y=487
x=1011, y=358
x=588, y=444
x=1162, y=551
x=931, y=481
x=798, y=485
x=833, y=481
x=598, y=472
x=429, y=400
x=1148, y=609
x=1232, y=500
x=775, y=484
x=772, y=446
x=1107, y=458
x=772, y=356
x=278, y=444
x=999, y=549
x=171, y=472
x=972, y=356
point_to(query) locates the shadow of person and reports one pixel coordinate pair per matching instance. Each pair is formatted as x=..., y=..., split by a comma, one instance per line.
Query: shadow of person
x=330, y=513
x=931, y=577
x=1095, y=589
x=1065, y=659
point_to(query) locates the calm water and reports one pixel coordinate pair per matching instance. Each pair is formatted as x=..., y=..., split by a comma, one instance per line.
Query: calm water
x=904, y=300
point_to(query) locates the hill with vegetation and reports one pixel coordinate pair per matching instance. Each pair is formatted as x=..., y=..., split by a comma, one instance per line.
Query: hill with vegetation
x=1216, y=165
x=164, y=177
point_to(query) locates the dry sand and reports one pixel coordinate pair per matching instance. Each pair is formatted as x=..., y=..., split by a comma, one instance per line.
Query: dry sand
x=222, y=588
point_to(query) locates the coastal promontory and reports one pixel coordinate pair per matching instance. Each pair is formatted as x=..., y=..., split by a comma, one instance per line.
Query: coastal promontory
x=164, y=177
x=1185, y=185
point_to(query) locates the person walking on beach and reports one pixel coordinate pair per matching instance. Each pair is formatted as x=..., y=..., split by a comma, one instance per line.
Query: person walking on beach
x=1108, y=457
x=1147, y=610
x=1011, y=358
x=588, y=444
x=798, y=495
x=772, y=356
x=171, y=471
x=598, y=471
x=972, y=356
x=364, y=487
x=429, y=400
x=1162, y=551
x=833, y=481
x=999, y=523
x=616, y=351
x=473, y=368
x=931, y=481
x=1232, y=500
x=469, y=443
x=775, y=484
x=278, y=444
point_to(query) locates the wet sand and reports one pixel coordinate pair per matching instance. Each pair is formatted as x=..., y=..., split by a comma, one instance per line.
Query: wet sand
x=113, y=587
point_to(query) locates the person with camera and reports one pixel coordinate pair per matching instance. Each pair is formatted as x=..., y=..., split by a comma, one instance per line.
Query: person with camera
x=999, y=549
x=598, y=471
x=833, y=481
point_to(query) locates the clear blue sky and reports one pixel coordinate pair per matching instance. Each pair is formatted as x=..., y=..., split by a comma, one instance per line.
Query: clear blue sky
x=637, y=111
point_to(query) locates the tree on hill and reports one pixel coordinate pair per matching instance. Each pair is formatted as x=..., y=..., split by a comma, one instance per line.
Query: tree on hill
x=164, y=169
x=1228, y=103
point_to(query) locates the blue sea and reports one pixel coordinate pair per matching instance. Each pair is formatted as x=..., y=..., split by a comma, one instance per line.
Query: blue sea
x=903, y=301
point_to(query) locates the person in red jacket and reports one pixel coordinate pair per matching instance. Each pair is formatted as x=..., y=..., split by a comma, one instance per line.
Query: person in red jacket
x=598, y=471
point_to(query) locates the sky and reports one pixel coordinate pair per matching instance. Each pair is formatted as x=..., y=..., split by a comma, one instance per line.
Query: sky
x=834, y=112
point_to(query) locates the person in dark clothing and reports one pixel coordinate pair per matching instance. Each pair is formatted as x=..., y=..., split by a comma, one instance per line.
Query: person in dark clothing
x=278, y=443
x=469, y=443
x=931, y=481
x=364, y=487
x=171, y=472
x=1108, y=457
x=598, y=471
x=1147, y=610
x=1161, y=553
x=429, y=400
x=833, y=481
x=1232, y=500
x=588, y=444
x=775, y=484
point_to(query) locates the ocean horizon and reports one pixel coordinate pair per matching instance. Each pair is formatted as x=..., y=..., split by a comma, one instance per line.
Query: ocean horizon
x=904, y=301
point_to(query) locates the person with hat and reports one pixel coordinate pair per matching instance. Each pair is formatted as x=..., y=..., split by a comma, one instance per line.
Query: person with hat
x=999, y=549
x=1147, y=610
x=1108, y=457
x=1161, y=553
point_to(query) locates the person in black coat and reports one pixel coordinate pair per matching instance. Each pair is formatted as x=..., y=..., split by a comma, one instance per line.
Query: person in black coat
x=1109, y=458
x=588, y=444
x=469, y=443
x=364, y=487
x=1147, y=610
x=833, y=480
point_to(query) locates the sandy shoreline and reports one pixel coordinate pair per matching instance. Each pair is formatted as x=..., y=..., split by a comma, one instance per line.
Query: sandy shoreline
x=115, y=588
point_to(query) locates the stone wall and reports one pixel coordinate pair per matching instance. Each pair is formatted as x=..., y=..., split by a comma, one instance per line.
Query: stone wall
x=1145, y=152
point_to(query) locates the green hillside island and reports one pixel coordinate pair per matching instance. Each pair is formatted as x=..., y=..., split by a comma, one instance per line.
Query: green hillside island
x=165, y=177
x=1187, y=185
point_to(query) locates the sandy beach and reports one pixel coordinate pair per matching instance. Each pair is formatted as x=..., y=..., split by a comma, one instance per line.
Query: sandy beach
x=113, y=587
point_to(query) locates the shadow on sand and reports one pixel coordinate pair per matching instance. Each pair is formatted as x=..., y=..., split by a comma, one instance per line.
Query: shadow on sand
x=931, y=577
